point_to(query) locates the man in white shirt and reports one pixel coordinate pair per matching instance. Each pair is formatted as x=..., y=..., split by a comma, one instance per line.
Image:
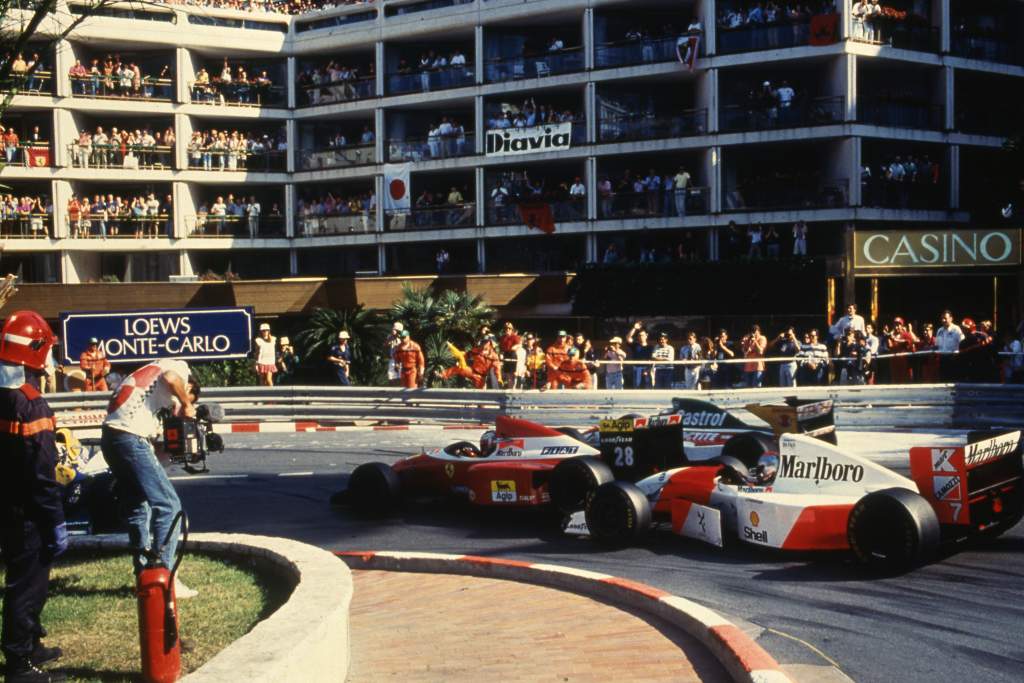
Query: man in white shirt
x=947, y=343
x=144, y=491
x=663, y=371
x=851, y=319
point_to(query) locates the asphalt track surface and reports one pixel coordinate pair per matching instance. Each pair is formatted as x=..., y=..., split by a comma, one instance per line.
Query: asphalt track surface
x=958, y=619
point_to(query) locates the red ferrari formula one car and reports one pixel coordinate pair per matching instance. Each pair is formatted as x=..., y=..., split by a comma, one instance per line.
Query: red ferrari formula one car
x=518, y=464
x=809, y=495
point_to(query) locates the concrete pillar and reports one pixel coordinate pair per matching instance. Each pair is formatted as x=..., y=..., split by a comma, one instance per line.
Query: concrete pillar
x=184, y=209
x=292, y=71
x=707, y=97
x=382, y=259
x=849, y=282
x=713, y=177
x=380, y=66
x=856, y=162
x=843, y=83
x=481, y=256
x=379, y=133
x=61, y=192
x=378, y=189
x=588, y=38
x=289, y=210
x=845, y=14
x=481, y=196
x=947, y=98
x=943, y=15
x=69, y=274
x=182, y=134
x=590, y=182
x=65, y=132
x=292, y=136
x=185, y=264
x=293, y=261
x=184, y=73
x=63, y=60
x=591, y=248
x=590, y=111
x=479, y=124
x=705, y=9
x=954, y=176
x=478, y=54
x=713, y=249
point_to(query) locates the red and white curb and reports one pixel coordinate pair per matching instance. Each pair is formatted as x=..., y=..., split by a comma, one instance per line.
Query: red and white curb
x=303, y=426
x=744, y=659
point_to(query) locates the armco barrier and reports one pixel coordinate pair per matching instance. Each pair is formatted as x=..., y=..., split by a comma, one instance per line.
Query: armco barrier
x=933, y=406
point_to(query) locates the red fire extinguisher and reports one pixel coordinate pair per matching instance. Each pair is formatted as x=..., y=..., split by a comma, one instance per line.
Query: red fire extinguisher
x=158, y=612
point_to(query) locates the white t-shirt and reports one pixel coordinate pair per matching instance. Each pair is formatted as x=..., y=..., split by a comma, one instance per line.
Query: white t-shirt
x=135, y=403
x=266, y=351
x=948, y=340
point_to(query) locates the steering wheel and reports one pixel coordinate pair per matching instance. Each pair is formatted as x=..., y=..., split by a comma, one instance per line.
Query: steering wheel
x=464, y=449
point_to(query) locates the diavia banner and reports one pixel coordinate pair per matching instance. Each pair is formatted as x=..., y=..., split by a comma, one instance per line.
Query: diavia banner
x=505, y=142
x=138, y=336
x=936, y=248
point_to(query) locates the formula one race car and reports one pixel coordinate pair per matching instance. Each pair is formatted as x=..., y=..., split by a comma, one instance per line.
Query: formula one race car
x=518, y=464
x=87, y=485
x=809, y=495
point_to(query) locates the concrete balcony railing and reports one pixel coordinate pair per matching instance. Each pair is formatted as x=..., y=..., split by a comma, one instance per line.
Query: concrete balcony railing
x=271, y=161
x=660, y=204
x=260, y=226
x=28, y=155
x=333, y=92
x=900, y=114
x=815, y=111
x=310, y=225
x=39, y=82
x=806, y=191
x=431, y=147
x=321, y=158
x=149, y=89
x=987, y=48
x=569, y=60
x=632, y=52
x=132, y=157
x=630, y=128
x=247, y=94
x=28, y=224
x=562, y=211
x=431, y=80
x=135, y=225
x=898, y=34
x=432, y=217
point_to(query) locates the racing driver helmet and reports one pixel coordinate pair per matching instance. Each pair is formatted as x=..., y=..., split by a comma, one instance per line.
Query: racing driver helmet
x=488, y=443
x=26, y=339
x=766, y=469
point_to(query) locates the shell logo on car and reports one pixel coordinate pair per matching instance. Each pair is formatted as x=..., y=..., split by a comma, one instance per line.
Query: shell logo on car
x=755, y=518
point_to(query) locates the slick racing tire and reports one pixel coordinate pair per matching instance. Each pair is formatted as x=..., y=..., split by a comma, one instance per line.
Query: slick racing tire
x=374, y=489
x=618, y=514
x=749, y=446
x=893, y=531
x=104, y=512
x=573, y=480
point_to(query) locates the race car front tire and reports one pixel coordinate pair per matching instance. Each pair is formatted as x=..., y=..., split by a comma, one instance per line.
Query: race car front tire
x=893, y=530
x=374, y=489
x=574, y=479
x=618, y=514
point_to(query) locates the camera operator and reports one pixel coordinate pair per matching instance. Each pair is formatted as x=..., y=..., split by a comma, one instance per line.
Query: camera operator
x=146, y=494
x=32, y=529
x=787, y=345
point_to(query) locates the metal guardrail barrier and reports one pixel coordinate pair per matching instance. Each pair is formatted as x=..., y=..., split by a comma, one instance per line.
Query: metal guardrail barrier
x=934, y=406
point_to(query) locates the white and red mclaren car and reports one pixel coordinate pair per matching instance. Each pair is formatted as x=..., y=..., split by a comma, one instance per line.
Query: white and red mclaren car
x=810, y=495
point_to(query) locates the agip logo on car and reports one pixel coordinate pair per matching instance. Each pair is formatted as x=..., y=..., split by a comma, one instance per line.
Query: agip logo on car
x=503, y=490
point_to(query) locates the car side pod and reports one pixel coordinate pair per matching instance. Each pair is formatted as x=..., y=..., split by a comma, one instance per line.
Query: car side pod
x=373, y=489
x=893, y=530
x=574, y=480
x=618, y=514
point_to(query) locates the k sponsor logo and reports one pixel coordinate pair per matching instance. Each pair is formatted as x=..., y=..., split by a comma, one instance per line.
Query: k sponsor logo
x=941, y=460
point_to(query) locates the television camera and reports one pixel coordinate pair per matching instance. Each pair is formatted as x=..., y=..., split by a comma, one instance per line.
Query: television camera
x=188, y=440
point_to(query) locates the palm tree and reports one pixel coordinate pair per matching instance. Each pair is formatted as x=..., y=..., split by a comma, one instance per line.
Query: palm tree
x=437, y=318
x=367, y=329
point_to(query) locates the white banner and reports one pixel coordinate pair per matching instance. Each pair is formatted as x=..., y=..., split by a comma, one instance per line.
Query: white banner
x=513, y=141
x=397, y=195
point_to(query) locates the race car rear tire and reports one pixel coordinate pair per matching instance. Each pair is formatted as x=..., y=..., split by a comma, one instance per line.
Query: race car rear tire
x=618, y=514
x=574, y=479
x=374, y=489
x=893, y=530
x=104, y=509
x=749, y=446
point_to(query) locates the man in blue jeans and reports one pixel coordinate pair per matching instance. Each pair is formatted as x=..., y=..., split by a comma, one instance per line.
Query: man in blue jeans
x=148, y=500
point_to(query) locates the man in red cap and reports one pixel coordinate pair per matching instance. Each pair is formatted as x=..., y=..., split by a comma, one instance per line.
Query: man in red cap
x=902, y=340
x=32, y=529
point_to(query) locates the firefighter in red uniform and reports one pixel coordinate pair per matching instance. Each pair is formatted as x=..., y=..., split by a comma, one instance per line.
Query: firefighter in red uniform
x=409, y=357
x=32, y=529
x=573, y=373
x=557, y=354
x=95, y=366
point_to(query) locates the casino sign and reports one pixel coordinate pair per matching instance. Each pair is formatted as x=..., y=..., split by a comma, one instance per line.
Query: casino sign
x=965, y=248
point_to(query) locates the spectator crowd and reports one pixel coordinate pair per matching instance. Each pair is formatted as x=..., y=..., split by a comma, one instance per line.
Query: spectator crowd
x=141, y=215
x=240, y=216
x=114, y=76
x=273, y=6
x=237, y=150
x=756, y=14
x=25, y=215
x=333, y=212
x=124, y=148
x=335, y=82
x=906, y=181
x=232, y=84
x=654, y=194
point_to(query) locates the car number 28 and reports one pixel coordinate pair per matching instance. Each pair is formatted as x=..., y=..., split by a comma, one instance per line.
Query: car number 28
x=623, y=456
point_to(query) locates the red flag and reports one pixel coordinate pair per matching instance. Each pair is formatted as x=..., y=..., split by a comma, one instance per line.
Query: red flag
x=38, y=157
x=538, y=216
x=824, y=29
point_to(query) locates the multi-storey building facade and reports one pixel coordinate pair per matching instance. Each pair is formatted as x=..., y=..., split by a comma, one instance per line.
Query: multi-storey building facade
x=794, y=120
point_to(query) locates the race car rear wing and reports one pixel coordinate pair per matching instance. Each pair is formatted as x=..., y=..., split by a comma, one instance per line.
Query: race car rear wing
x=977, y=486
x=795, y=416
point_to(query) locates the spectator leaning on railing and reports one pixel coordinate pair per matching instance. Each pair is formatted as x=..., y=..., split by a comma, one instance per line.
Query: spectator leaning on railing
x=235, y=150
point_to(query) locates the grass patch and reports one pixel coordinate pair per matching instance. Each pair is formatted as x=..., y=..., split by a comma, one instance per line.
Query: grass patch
x=92, y=613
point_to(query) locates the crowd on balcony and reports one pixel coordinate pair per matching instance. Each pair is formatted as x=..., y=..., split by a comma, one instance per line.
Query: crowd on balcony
x=757, y=14
x=233, y=85
x=123, y=148
x=654, y=194
x=333, y=213
x=113, y=76
x=25, y=81
x=274, y=6
x=443, y=209
x=758, y=241
x=768, y=187
x=142, y=215
x=780, y=105
x=15, y=148
x=902, y=182
x=877, y=22
x=335, y=82
x=566, y=198
x=446, y=137
x=433, y=71
x=239, y=216
x=235, y=150
x=530, y=114
x=25, y=216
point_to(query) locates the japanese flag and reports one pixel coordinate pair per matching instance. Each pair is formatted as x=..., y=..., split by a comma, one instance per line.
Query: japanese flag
x=396, y=188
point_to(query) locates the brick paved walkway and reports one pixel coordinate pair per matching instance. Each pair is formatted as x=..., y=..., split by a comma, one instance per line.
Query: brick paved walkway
x=441, y=627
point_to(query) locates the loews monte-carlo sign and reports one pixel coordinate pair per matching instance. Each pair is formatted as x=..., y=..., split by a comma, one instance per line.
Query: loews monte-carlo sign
x=936, y=248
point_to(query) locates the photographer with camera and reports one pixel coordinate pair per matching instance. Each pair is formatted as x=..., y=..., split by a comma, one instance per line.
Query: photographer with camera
x=32, y=529
x=786, y=344
x=131, y=425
